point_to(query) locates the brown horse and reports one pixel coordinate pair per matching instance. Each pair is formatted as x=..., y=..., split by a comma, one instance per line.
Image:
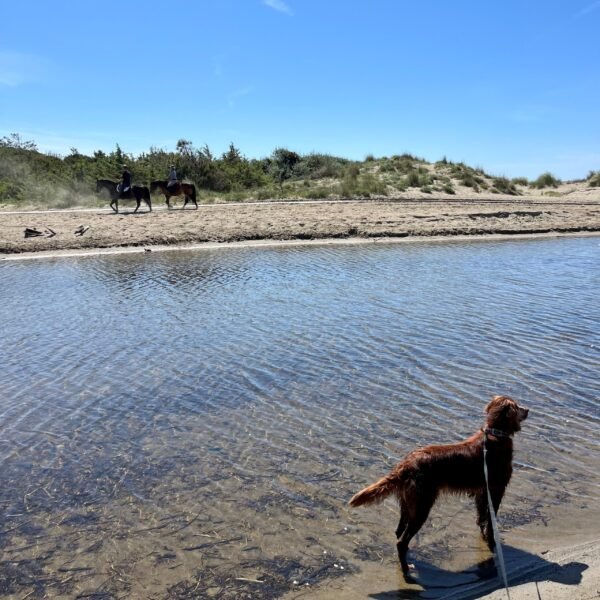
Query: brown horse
x=188, y=190
x=135, y=192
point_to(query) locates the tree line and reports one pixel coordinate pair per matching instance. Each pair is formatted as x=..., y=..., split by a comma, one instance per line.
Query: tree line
x=27, y=172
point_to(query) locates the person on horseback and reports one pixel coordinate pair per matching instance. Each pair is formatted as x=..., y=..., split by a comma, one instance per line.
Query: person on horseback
x=172, y=177
x=125, y=185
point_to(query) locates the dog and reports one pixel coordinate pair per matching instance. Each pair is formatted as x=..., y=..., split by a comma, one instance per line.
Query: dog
x=419, y=479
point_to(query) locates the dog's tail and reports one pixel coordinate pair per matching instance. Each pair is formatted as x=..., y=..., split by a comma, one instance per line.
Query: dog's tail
x=377, y=492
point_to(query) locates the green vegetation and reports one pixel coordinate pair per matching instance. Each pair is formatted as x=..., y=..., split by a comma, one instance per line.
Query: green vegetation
x=594, y=179
x=29, y=176
x=502, y=185
x=520, y=181
x=33, y=178
x=545, y=180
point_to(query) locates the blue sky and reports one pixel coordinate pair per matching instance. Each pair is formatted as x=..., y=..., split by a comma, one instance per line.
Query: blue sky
x=511, y=86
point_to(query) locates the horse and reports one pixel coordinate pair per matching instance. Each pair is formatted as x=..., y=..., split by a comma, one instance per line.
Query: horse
x=188, y=190
x=135, y=192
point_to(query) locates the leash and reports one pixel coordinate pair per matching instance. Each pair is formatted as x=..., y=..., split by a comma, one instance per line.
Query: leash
x=495, y=530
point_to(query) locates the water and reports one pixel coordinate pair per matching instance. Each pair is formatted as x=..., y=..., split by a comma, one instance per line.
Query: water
x=189, y=424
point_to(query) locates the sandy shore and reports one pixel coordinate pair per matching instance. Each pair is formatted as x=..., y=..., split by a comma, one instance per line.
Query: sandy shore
x=317, y=220
x=569, y=573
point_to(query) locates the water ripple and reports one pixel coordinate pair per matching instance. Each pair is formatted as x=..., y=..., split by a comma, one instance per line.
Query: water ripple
x=166, y=378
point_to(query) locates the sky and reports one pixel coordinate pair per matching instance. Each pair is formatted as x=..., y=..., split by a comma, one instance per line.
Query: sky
x=512, y=86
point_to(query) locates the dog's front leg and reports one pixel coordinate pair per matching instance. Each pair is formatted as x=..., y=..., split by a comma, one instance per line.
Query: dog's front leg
x=483, y=514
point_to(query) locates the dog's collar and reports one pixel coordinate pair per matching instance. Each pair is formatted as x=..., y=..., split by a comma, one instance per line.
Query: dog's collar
x=495, y=432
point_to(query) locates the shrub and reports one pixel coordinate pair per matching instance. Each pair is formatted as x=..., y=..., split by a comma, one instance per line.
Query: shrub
x=319, y=166
x=318, y=193
x=266, y=194
x=469, y=181
x=10, y=191
x=353, y=171
x=387, y=167
x=364, y=187
x=545, y=180
x=520, y=181
x=594, y=179
x=282, y=164
x=503, y=185
x=413, y=179
x=403, y=164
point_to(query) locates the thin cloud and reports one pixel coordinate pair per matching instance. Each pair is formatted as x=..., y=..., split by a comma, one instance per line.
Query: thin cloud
x=586, y=10
x=17, y=69
x=533, y=114
x=279, y=6
x=231, y=99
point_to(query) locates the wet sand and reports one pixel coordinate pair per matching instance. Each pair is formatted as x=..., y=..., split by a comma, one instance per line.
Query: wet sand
x=316, y=220
x=565, y=574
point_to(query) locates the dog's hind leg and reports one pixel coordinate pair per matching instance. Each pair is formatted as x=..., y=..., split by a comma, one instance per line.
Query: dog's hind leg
x=416, y=511
x=402, y=524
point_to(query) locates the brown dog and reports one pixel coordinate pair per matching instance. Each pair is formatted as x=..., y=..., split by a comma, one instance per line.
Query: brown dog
x=456, y=468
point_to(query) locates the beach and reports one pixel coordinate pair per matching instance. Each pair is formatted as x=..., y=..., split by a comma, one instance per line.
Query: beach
x=297, y=220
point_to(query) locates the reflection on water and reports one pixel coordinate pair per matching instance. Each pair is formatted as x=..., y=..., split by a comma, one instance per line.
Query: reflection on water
x=193, y=424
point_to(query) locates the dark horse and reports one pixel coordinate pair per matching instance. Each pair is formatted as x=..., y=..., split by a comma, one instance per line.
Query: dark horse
x=188, y=190
x=135, y=192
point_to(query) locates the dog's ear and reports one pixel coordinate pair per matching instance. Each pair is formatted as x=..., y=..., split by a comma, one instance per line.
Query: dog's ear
x=492, y=402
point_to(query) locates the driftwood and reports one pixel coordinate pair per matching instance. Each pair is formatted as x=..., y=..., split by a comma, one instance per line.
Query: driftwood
x=81, y=230
x=31, y=232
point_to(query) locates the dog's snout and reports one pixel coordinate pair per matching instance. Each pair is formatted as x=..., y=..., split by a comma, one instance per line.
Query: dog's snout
x=524, y=413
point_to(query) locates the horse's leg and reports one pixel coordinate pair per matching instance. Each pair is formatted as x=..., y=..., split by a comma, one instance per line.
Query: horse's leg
x=185, y=201
x=115, y=205
x=138, y=202
x=167, y=200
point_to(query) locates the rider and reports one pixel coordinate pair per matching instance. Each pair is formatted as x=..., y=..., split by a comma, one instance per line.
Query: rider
x=125, y=184
x=172, y=177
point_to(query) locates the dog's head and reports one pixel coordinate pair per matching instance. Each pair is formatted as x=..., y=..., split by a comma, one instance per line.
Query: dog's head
x=505, y=414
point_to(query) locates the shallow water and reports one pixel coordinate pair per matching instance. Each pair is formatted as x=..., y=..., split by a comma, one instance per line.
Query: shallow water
x=192, y=424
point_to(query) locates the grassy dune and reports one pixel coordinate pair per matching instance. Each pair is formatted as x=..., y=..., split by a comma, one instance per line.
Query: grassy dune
x=32, y=179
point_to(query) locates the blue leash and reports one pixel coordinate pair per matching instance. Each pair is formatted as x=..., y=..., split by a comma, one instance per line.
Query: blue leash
x=496, y=532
